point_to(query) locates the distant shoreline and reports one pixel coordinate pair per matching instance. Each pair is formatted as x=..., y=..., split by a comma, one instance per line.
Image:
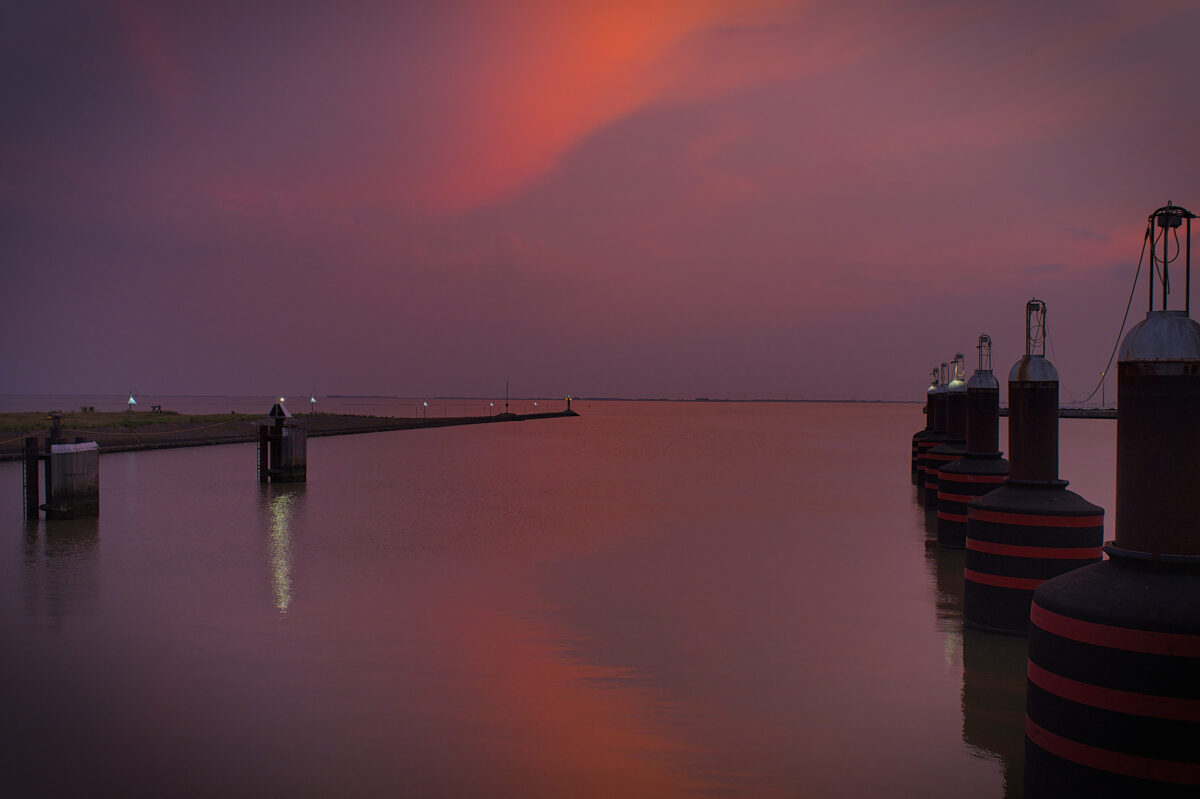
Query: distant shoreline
x=1080, y=413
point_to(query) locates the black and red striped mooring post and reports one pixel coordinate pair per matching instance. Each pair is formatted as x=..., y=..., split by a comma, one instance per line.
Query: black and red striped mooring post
x=955, y=444
x=917, y=471
x=935, y=438
x=1113, y=700
x=981, y=469
x=922, y=438
x=1031, y=528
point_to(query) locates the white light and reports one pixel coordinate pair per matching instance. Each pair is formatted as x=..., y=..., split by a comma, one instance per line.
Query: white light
x=427, y=404
x=281, y=399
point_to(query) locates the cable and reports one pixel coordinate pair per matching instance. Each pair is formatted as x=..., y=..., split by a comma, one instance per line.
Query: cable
x=1132, y=290
x=24, y=435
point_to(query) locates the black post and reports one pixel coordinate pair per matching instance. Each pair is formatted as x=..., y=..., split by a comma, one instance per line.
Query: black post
x=276, y=446
x=48, y=475
x=1165, y=274
x=1150, y=274
x=263, y=462
x=31, y=478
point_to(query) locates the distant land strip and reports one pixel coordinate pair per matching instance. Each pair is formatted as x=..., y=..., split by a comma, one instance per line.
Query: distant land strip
x=196, y=431
x=1080, y=413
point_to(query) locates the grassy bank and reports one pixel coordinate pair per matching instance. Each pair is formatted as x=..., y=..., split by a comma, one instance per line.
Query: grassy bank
x=24, y=421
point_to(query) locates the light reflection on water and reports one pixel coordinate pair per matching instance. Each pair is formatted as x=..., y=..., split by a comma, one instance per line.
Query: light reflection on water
x=283, y=503
x=652, y=599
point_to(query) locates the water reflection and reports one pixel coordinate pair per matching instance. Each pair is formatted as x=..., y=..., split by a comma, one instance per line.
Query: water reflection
x=946, y=568
x=61, y=573
x=727, y=601
x=993, y=701
x=993, y=669
x=282, y=504
x=929, y=521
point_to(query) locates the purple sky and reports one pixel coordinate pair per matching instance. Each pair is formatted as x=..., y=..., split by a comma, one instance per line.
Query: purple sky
x=669, y=199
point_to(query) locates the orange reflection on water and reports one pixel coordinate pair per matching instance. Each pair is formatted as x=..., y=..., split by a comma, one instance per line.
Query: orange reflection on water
x=547, y=723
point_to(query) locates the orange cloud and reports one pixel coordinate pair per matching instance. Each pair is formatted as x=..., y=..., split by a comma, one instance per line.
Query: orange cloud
x=546, y=76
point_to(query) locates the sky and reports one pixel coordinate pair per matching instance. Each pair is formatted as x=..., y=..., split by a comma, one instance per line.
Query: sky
x=812, y=200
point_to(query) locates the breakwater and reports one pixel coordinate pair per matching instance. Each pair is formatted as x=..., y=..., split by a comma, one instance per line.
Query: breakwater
x=244, y=428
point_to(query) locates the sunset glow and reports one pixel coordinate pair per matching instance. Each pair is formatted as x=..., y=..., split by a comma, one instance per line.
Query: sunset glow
x=643, y=199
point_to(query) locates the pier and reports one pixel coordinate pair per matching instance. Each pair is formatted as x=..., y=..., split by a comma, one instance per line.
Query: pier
x=164, y=433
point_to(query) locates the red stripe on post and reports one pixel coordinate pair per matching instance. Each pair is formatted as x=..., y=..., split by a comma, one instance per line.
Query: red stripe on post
x=950, y=517
x=1020, y=583
x=1143, y=768
x=1048, y=553
x=1114, y=699
x=943, y=494
x=1126, y=638
x=1031, y=520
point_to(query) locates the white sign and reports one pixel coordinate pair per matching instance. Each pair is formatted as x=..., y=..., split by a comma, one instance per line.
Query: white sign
x=56, y=449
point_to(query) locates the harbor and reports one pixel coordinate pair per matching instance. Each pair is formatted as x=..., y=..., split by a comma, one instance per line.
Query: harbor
x=745, y=599
x=279, y=282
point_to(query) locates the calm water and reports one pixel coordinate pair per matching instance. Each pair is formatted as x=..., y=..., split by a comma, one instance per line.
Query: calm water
x=653, y=599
